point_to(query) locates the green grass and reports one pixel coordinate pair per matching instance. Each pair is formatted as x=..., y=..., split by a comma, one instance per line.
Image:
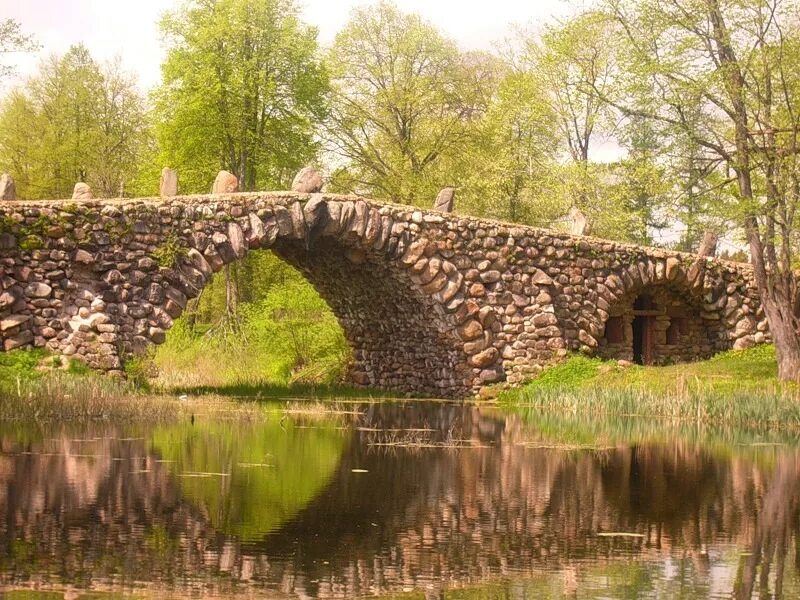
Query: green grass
x=735, y=387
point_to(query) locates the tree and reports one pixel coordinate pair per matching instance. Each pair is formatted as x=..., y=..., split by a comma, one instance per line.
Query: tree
x=724, y=74
x=13, y=40
x=74, y=121
x=403, y=98
x=242, y=88
x=502, y=170
x=576, y=60
x=576, y=63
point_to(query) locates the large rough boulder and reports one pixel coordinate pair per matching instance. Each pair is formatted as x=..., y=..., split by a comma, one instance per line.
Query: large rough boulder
x=225, y=183
x=578, y=222
x=8, y=190
x=708, y=247
x=307, y=181
x=82, y=192
x=169, y=183
x=444, y=200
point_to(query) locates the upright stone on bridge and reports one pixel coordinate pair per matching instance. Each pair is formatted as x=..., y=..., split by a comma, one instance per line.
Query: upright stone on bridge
x=444, y=200
x=708, y=247
x=225, y=183
x=8, y=190
x=307, y=181
x=578, y=222
x=82, y=191
x=169, y=183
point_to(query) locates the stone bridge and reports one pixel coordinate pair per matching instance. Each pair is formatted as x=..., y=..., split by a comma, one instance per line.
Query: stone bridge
x=430, y=302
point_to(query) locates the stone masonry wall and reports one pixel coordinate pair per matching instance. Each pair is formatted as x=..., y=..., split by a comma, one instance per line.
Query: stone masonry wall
x=430, y=302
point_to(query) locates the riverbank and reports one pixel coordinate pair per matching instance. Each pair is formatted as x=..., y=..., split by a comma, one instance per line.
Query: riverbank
x=736, y=387
x=733, y=388
x=37, y=386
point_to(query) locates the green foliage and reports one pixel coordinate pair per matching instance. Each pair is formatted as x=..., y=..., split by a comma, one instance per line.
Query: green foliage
x=12, y=40
x=572, y=373
x=738, y=386
x=404, y=98
x=242, y=90
x=286, y=333
x=31, y=242
x=19, y=365
x=138, y=371
x=77, y=367
x=74, y=121
x=170, y=251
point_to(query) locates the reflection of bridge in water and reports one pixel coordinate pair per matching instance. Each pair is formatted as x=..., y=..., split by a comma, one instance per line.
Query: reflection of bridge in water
x=422, y=518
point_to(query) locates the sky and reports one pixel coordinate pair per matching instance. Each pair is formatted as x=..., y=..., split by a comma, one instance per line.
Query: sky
x=129, y=29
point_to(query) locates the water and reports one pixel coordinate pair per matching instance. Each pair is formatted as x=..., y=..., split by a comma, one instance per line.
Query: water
x=398, y=500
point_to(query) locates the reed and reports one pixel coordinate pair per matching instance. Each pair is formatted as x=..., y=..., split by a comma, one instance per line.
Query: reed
x=734, y=387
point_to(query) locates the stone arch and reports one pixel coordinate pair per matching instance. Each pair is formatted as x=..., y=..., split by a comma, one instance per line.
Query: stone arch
x=399, y=301
x=663, y=311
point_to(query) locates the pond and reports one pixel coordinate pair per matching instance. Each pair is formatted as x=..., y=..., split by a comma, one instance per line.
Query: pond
x=397, y=499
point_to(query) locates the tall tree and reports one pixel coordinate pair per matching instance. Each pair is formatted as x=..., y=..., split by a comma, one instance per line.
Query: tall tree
x=403, y=98
x=576, y=61
x=242, y=89
x=74, y=120
x=502, y=169
x=725, y=74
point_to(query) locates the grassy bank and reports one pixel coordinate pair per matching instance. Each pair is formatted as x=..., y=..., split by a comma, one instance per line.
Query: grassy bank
x=36, y=386
x=739, y=387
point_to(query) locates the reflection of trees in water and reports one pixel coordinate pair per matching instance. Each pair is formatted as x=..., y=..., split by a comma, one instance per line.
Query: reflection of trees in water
x=773, y=532
x=420, y=517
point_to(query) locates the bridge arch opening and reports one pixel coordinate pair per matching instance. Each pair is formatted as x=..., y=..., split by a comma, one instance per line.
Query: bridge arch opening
x=392, y=291
x=660, y=324
x=259, y=321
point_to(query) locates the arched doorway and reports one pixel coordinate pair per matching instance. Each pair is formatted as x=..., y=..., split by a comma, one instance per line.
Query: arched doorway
x=659, y=325
x=644, y=313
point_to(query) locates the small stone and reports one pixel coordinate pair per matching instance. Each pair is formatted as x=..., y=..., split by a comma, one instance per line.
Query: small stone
x=413, y=253
x=470, y=330
x=257, y=232
x=24, y=338
x=84, y=257
x=541, y=278
x=82, y=191
x=13, y=321
x=225, y=183
x=307, y=181
x=484, y=358
x=545, y=319
x=476, y=290
x=490, y=276
x=38, y=290
x=157, y=335
x=236, y=239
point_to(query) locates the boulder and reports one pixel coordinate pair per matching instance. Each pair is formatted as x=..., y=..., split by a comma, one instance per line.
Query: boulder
x=82, y=191
x=8, y=190
x=169, y=183
x=225, y=183
x=444, y=200
x=307, y=181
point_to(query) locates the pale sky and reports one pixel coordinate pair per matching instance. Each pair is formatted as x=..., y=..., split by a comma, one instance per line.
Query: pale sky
x=128, y=29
